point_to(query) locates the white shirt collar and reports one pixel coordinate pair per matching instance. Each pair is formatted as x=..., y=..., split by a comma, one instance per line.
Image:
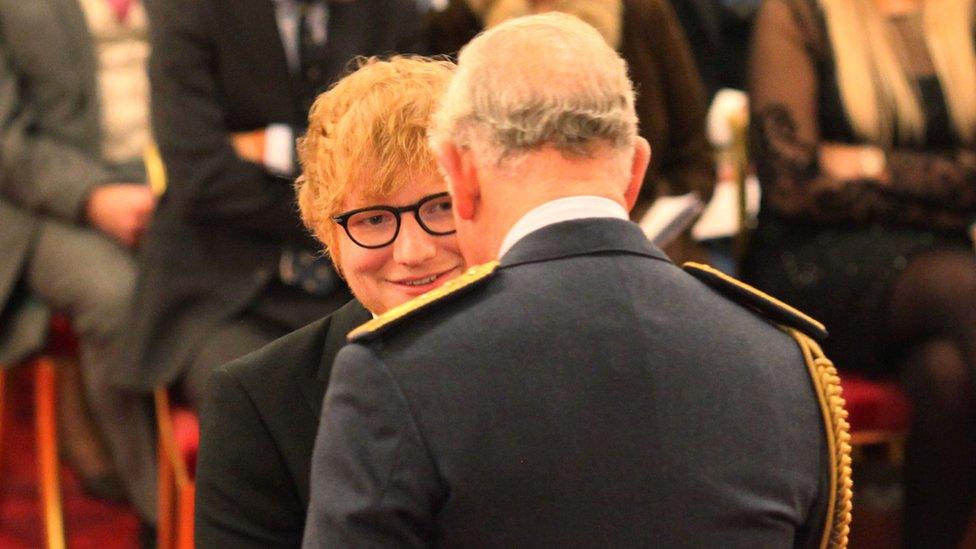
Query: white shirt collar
x=561, y=209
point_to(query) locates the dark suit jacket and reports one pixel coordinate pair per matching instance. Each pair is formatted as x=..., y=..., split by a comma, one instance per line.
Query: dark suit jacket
x=719, y=39
x=257, y=434
x=588, y=394
x=218, y=66
x=50, y=146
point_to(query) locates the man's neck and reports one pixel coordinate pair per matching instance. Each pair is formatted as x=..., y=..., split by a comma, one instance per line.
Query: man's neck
x=559, y=210
x=543, y=176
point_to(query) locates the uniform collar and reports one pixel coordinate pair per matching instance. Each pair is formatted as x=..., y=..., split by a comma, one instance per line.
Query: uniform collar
x=556, y=211
x=582, y=237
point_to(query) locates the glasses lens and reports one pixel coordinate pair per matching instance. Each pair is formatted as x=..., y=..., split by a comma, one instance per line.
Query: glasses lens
x=436, y=215
x=372, y=227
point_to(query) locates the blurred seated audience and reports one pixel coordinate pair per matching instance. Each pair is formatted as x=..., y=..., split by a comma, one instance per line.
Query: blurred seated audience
x=718, y=33
x=671, y=103
x=372, y=194
x=227, y=266
x=864, y=120
x=74, y=109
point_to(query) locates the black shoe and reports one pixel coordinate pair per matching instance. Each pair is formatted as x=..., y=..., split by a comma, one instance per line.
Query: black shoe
x=106, y=486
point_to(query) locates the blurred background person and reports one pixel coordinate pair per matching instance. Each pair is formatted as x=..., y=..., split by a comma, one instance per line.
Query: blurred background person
x=864, y=122
x=671, y=101
x=74, y=102
x=365, y=154
x=718, y=33
x=227, y=265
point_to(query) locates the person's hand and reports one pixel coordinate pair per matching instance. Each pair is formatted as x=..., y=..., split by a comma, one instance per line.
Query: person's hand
x=847, y=162
x=249, y=145
x=121, y=210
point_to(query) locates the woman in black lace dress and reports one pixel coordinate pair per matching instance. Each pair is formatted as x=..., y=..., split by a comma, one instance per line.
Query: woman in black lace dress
x=864, y=123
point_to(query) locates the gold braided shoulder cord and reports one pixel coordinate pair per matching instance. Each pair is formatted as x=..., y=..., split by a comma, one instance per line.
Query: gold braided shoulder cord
x=827, y=382
x=467, y=278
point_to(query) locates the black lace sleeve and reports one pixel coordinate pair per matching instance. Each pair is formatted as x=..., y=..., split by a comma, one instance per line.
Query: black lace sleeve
x=935, y=189
x=925, y=189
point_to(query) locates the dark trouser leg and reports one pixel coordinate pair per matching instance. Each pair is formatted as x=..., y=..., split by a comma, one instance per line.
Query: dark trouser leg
x=940, y=455
x=932, y=315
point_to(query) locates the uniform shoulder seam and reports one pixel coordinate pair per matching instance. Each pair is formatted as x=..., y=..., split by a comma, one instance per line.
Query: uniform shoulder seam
x=472, y=278
x=757, y=300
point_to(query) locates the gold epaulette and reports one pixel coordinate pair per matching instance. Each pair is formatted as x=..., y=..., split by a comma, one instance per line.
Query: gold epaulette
x=469, y=279
x=754, y=299
x=829, y=394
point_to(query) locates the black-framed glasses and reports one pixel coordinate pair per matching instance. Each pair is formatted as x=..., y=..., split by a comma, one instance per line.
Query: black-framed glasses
x=378, y=226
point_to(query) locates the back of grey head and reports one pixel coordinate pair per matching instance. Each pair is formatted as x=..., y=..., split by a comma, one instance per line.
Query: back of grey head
x=540, y=80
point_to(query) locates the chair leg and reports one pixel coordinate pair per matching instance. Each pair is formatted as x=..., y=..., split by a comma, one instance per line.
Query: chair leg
x=165, y=483
x=45, y=403
x=896, y=449
x=184, y=536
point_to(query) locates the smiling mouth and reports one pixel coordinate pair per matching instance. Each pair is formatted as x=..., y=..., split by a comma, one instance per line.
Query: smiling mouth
x=420, y=281
x=425, y=281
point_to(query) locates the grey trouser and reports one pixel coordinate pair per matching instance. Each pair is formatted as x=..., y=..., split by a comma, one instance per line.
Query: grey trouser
x=90, y=277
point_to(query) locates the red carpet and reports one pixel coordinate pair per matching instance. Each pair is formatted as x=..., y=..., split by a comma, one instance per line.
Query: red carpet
x=89, y=523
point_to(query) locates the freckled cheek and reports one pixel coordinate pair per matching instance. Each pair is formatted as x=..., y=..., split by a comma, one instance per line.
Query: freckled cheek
x=447, y=249
x=467, y=243
x=370, y=265
x=450, y=253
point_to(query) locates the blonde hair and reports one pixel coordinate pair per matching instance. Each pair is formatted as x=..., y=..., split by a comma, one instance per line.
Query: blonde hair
x=875, y=87
x=367, y=135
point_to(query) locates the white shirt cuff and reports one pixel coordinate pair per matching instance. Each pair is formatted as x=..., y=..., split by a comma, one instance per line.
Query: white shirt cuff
x=279, y=156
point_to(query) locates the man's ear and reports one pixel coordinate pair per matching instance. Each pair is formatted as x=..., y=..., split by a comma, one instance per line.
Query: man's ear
x=638, y=167
x=462, y=178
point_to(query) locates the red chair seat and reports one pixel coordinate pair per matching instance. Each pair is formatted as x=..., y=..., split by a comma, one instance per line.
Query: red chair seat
x=61, y=341
x=875, y=405
x=186, y=432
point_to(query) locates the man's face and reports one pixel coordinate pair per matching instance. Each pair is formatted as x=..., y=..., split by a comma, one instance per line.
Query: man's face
x=472, y=241
x=415, y=263
x=472, y=238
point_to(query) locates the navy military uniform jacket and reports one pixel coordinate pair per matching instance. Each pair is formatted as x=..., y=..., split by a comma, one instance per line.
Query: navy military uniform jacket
x=589, y=393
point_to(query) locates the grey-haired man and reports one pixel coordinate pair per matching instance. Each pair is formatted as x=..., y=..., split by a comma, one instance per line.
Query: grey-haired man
x=581, y=391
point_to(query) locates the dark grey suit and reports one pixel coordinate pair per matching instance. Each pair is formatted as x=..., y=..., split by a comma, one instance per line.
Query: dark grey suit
x=257, y=434
x=588, y=394
x=50, y=160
